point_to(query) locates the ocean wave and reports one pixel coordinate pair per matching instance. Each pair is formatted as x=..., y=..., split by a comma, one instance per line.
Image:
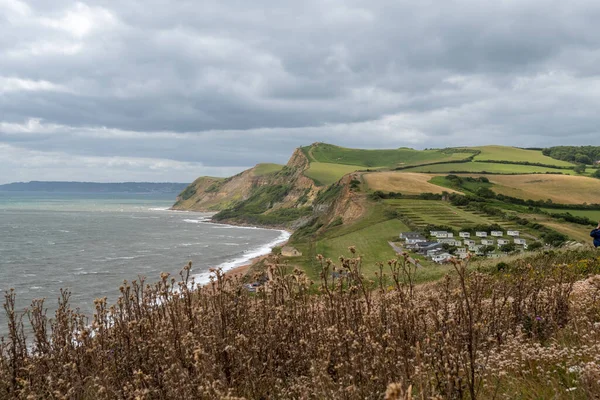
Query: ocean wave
x=120, y=258
x=159, y=209
x=196, y=221
x=263, y=250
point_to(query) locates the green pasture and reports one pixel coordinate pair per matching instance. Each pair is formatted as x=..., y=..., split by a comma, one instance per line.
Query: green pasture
x=506, y=153
x=482, y=167
x=466, y=185
x=436, y=212
x=330, y=154
x=266, y=168
x=326, y=173
x=372, y=245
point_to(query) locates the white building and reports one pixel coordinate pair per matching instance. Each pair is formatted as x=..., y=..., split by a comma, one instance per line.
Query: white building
x=440, y=258
x=469, y=242
x=487, y=242
x=464, y=234
x=497, y=233
x=481, y=234
x=520, y=241
x=431, y=253
x=450, y=241
x=412, y=237
x=512, y=233
x=439, y=234
x=406, y=235
x=502, y=242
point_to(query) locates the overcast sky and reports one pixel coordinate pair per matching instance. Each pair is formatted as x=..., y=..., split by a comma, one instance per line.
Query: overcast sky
x=167, y=90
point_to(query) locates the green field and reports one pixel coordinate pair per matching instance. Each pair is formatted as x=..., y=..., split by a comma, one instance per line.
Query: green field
x=465, y=185
x=326, y=173
x=372, y=245
x=482, y=167
x=326, y=153
x=437, y=212
x=265, y=169
x=504, y=153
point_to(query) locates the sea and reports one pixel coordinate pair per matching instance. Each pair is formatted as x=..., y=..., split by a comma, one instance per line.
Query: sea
x=90, y=243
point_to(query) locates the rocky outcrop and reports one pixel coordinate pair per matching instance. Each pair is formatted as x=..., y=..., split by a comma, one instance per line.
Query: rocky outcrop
x=284, y=198
x=216, y=194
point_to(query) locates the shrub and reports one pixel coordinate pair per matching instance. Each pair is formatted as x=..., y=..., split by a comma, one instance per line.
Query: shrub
x=470, y=336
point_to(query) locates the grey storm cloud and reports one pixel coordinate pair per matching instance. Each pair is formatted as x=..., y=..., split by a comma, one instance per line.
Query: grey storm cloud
x=169, y=90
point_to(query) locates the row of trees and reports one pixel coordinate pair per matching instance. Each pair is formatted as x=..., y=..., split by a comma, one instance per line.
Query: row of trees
x=577, y=154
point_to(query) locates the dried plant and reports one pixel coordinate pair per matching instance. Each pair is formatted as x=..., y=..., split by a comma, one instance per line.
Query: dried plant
x=527, y=331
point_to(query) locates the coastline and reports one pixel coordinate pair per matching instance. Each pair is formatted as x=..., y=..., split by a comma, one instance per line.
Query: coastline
x=242, y=270
x=241, y=265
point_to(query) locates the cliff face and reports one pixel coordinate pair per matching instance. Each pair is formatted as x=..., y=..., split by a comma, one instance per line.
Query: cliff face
x=349, y=205
x=217, y=194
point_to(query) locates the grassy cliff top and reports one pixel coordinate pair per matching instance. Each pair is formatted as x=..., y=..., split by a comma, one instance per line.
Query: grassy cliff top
x=515, y=154
x=391, y=158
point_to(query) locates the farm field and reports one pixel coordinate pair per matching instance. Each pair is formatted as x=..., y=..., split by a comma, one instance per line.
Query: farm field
x=326, y=153
x=403, y=182
x=325, y=173
x=559, y=188
x=504, y=153
x=483, y=167
x=577, y=232
x=424, y=212
x=265, y=169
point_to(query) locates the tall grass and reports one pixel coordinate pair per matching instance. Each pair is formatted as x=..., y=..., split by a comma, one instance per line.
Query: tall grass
x=523, y=332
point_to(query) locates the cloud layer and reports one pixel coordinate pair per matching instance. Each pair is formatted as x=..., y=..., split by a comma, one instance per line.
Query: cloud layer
x=169, y=90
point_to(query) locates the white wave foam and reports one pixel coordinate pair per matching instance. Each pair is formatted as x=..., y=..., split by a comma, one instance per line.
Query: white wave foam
x=197, y=221
x=120, y=258
x=265, y=249
x=159, y=209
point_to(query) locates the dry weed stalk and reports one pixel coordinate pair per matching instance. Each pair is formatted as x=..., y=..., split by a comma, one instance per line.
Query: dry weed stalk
x=471, y=335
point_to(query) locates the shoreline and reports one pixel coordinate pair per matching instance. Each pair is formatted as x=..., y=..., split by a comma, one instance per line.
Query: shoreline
x=210, y=214
x=242, y=270
x=240, y=265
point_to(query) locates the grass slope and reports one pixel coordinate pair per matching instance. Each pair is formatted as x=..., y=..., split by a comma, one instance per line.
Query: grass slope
x=403, y=182
x=327, y=173
x=505, y=153
x=559, y=188
x=594, y=215
x=326, y=153
x=424, y=212
x=267, y=168
x=482, y=167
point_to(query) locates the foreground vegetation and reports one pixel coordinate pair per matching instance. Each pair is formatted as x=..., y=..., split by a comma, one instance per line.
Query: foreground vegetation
x=525, y=329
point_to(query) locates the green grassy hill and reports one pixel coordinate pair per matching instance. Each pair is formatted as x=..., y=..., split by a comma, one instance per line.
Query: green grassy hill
x=514, y=154
x=488, y=167
x=328, y=163
x=394, y=158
